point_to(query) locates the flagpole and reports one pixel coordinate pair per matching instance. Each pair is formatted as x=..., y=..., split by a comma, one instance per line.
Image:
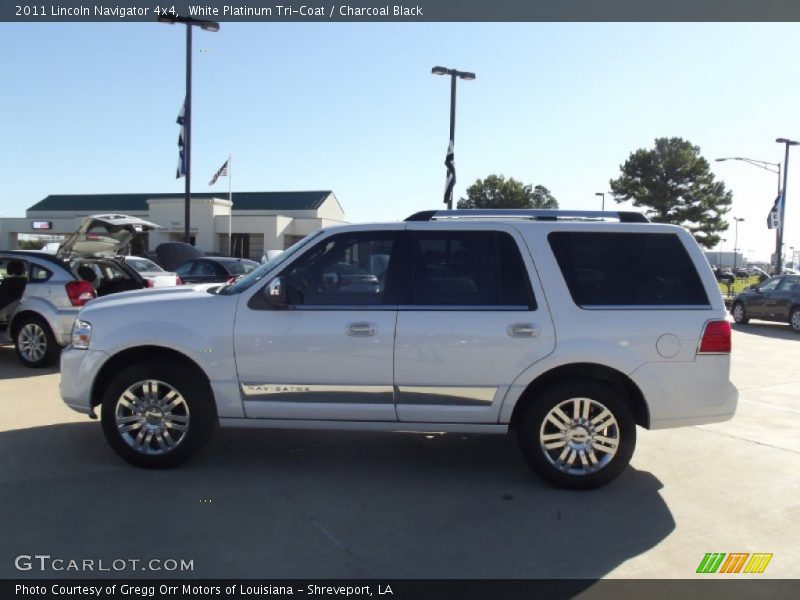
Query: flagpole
x=230, y=211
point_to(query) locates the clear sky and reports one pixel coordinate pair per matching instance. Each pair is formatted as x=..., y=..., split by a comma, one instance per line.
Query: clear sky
x=90, y=108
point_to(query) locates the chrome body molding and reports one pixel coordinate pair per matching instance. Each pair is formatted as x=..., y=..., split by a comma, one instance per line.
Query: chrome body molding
x=446, y=395
x=369, y=394
x=300, y=392
x=388, y=426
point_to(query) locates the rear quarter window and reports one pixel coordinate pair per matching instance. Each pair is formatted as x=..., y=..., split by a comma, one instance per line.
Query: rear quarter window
x=605, y=269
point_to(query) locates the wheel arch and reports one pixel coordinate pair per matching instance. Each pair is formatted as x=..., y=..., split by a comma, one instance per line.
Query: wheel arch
x=618, y=381
x=20, y=316
x=131, y=356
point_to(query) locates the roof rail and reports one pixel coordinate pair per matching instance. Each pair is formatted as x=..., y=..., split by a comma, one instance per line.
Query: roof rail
x=532, y=214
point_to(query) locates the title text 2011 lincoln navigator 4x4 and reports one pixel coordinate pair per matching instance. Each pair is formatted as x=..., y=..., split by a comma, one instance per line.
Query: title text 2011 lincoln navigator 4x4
x=567, y=327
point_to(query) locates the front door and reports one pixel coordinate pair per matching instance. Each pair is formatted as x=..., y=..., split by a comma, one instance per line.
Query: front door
x=469, y=325
x=758, y=304
x=329, y=355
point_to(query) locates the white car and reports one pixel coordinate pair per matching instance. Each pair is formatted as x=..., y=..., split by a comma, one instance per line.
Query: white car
x=154, y=275
x=570, y=328
x=41, y=293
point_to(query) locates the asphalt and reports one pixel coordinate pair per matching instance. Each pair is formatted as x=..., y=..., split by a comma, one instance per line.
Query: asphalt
x=305, y=504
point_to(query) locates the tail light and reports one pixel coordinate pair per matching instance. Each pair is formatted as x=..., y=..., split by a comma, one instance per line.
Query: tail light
x=178, y=280
x=231, y=279
x=150, y=283
x=716, y=338
x=80, y=292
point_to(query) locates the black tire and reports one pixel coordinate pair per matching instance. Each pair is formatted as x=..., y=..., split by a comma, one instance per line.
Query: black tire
x=794, y=320
x=34, y=342
x=600, y=467
x=163, y=423
x=739, y=313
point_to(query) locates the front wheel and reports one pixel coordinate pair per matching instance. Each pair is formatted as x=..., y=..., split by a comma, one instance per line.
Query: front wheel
x=578, y=435
x=157, y=416
x=794, y=320
x=740, y=313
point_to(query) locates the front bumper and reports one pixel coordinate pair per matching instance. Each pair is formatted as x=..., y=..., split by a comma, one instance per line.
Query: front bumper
x=79, y=369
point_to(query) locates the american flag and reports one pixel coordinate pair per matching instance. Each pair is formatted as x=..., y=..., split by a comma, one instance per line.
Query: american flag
x=223, y=171
x=774, y=217
x=451, y=173
x=181, y=170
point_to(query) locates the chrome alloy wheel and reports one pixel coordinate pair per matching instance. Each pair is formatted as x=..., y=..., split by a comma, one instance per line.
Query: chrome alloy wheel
x=579, y=436
x=32, y=342
x=152, y=417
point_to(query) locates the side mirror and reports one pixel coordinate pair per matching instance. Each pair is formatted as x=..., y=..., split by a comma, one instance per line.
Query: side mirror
x=275, y=293
x=754, y=287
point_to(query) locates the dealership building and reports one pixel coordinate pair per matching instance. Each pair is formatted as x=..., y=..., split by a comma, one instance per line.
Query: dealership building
x=258, y=221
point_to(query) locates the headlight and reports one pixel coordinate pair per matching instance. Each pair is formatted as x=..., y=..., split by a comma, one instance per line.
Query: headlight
x=81, y=334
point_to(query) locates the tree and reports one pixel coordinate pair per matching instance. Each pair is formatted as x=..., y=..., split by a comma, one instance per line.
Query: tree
x=673, y=182
x=498, y=192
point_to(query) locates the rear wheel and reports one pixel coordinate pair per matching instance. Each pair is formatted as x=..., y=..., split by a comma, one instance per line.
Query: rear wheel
x=157, y=416
x=740, y=313
x=35, y=343
x=578, y=435
x=794, y=320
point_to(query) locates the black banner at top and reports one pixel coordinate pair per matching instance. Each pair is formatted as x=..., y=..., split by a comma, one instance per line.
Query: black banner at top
x=403, y=10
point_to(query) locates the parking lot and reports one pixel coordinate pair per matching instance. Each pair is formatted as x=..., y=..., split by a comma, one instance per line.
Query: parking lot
x=282, y=504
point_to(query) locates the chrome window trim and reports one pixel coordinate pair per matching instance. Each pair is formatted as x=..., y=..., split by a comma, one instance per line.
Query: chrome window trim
x=645, y=306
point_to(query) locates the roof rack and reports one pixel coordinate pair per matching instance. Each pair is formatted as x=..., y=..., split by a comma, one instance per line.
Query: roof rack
x=532, y=214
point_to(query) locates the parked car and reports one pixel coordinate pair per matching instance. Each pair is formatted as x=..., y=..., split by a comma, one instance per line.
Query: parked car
x=724, y=275
x=214, y=269
x=484, y=322
x=41, y=293
x=171, y=254
x=777, y=299
x=741, y=272
x=153, y=275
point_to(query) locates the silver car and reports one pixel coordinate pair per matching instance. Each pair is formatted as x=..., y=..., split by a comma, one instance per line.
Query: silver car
x=41, y=293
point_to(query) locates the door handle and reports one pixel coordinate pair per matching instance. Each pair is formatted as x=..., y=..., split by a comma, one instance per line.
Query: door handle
x=362, y=329
x=523, y=330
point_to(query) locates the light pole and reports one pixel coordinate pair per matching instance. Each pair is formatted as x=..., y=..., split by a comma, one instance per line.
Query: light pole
x=451, y=170
x=736, y=221
x=603, y=201
x=779, y=241
x=719, y=252
x=211, y=26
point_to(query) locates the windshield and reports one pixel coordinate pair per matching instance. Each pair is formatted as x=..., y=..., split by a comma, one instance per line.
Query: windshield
x=252, y=278
x=142, y=265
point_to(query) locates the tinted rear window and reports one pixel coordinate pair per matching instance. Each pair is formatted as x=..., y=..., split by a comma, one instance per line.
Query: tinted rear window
x=627, y=269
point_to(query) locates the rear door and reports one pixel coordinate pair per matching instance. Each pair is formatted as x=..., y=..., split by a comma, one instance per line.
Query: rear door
x=470, y=322
x=783, y=298
x=759, y=304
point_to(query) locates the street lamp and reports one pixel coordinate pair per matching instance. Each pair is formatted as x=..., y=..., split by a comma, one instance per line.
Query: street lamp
x=762, y=164
x=779, y=241
x=736, y=221
x=719, y=251
x=451, y=171
x=603, y=202
x=213, y=27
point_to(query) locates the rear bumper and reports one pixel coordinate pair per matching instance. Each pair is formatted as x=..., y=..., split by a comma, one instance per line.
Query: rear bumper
x=691, y=393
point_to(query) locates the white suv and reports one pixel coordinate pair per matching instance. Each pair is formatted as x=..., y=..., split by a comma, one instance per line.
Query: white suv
x=567, y=327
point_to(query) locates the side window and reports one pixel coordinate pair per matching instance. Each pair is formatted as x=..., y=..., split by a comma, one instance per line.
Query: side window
x=202, y=267
x=39, y=274
x=468, y=268
x=345, y=270
x=787, y=283
x=183, y=270
x=627, y=269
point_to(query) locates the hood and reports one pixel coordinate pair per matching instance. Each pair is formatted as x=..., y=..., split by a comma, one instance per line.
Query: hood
x=103, y=235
